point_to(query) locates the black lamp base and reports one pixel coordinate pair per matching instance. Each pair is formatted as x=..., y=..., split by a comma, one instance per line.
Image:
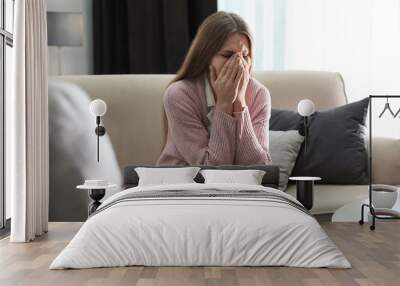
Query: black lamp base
x=96, y=195
x=305, y=193
x=100, y=130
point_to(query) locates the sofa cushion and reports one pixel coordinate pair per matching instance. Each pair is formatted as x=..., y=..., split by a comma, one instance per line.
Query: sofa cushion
x=336, y=150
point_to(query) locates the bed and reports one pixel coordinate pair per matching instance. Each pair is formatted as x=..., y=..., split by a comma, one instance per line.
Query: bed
x=198, y=224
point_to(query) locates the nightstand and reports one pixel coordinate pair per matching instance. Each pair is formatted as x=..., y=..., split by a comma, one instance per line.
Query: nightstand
x=305, y=190
x=96, y=193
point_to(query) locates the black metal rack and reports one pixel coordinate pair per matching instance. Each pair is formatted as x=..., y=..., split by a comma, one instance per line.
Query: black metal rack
x=369, y=205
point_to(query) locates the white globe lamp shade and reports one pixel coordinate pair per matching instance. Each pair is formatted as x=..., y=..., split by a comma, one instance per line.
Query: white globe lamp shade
x=98, y=107
x=305, y=107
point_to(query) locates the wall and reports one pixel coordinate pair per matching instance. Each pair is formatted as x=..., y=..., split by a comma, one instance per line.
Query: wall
x=74, y=60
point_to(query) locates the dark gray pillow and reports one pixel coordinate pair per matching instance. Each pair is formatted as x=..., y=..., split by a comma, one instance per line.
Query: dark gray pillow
x=336, y=150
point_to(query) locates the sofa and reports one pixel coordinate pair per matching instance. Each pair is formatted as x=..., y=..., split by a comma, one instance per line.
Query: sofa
x=135, y=127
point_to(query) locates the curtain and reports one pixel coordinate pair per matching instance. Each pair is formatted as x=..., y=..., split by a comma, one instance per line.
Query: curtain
x=142, y=37
x=358, y=38
x=27, y=124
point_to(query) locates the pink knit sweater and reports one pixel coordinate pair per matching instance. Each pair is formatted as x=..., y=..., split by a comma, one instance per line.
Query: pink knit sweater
x=240, y=139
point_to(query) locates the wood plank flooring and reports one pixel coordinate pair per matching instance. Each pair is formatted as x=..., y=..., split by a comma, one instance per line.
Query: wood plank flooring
x=375, y=257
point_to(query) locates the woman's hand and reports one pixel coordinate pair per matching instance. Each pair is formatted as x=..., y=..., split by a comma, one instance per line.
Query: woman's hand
x=240, y=102
x=226, y=85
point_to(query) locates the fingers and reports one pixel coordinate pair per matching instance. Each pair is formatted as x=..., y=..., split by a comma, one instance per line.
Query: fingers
x=239, y=77
x=232, y=68
x=225, y=67
x=245, y=63
x=247, y=68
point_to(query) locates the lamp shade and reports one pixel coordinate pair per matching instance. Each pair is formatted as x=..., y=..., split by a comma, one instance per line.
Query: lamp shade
x=305, y=107
x=64, y=29
x=98, y=107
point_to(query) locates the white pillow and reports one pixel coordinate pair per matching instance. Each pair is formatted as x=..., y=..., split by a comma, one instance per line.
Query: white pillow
x=249, y=177
x=163, y=176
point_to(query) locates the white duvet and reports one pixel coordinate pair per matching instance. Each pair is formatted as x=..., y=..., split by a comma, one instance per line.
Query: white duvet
x=200, y=231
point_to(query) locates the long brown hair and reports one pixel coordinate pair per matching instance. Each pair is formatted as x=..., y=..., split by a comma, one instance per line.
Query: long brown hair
x=209, y=39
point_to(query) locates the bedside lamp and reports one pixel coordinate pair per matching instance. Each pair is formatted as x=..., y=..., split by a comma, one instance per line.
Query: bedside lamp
x=98, y=108
x=306, y=108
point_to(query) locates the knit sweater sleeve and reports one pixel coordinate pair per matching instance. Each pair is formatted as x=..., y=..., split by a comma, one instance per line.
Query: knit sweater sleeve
x=252, y=140
x=191, y=138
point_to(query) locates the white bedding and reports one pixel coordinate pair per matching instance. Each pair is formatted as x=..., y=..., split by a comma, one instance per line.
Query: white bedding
x=200, y=231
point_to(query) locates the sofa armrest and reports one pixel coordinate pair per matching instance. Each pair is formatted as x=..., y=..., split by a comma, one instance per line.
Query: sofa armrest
x=385, y=160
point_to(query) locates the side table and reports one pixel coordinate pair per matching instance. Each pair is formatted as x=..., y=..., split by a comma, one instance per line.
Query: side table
x=305, y=190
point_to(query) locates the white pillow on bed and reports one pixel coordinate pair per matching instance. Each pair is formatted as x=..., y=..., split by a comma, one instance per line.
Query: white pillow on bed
x=249, y=177
x=165, y=176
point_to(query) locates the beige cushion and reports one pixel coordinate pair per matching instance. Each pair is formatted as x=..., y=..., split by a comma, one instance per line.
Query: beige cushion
x=287, y=88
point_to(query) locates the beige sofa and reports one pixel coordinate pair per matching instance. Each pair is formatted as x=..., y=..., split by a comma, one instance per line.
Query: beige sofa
x=134, y=121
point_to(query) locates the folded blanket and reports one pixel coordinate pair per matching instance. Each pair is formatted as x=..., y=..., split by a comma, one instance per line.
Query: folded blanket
x=205, y=193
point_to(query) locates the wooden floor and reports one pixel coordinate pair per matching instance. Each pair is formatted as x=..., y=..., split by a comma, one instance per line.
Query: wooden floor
x=375, y=257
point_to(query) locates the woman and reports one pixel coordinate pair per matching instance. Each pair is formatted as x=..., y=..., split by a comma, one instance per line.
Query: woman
x=217, y=112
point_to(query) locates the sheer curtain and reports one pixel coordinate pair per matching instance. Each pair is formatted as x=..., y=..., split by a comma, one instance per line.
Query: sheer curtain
x=27, y=124
x=358, y=38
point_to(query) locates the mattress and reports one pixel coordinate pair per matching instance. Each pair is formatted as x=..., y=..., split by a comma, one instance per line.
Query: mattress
x=201, y=225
